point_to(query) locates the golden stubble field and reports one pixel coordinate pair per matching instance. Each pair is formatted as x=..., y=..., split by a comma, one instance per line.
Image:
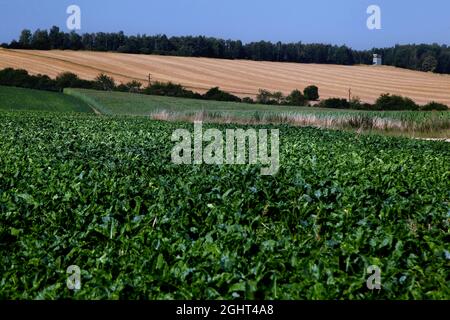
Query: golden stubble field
x=240, y=77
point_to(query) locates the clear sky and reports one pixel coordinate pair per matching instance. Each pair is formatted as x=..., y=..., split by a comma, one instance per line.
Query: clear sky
x=324, y=21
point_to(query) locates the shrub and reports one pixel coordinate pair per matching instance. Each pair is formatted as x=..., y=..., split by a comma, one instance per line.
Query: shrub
x=248, y=100
x=104, y=82
x=21, y=78
x=434, y=106
x=12, y=77
x=264, y=97
x=335, y=103
x=122, y=88
x=311, y=93
x=66, y=80
x=296, y=98
x=219, y=95
x=43, y=82
x=355, y=103
x=278, y=97
x=132, y=86
x=395, y=102
x=170, y=89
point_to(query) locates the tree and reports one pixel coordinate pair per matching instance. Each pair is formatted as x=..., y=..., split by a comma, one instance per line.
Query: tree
x=134, y=86
x=296, y=98
x=75, y=41
x=40, y=40
x=56, y=38
x=434, y=106
x=264, y=96
x=104, y=82
x=395, y=102
x=429, y=64
x=278, y=97
x=311, y=93
x=67, y=80
x=25, y=39
x=219, y=95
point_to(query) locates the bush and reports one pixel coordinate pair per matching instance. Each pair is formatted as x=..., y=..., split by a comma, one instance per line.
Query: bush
x=21, y=78
x=12, y=77
x=71, y=80
x=335, y=103
x=132, y=86
x=278, y=97
x=434, y=106
x=296, y=98
x=394, y=102
x=248, y=100
x=104, y=82
x=311, y=93
x=264, y=97
x=219, y=95
x=170, y=89
x=355, y=103
x=122, y=88
x=43, y=82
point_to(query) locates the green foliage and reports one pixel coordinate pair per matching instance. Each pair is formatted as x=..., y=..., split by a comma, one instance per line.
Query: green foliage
x=71, y=80
x=21, y=78
x=265, y=97
x=296, y=98
x=311, y=93
x=219, y=95
x=429, y=64
x=248, y=100
x=434, y=106
x=170, y=89
x=395, y=102
x=104, y=82
x=102, y=193
x=335, y=103
x=132, y=86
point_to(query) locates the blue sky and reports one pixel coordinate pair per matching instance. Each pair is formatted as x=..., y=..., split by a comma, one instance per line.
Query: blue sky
x=325, y=21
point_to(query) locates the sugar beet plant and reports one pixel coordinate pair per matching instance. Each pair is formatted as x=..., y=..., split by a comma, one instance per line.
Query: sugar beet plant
x=101, y=193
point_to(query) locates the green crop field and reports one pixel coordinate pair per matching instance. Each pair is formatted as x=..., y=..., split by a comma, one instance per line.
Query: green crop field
x=102, y=193
x=35, y=100
x=120, y=103
x=410, y=123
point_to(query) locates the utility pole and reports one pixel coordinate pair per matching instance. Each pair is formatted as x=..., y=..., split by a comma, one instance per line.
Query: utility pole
x=349, y=94
x=149, y=79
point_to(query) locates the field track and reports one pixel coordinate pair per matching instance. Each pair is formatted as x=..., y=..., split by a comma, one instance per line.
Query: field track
x=240, y=77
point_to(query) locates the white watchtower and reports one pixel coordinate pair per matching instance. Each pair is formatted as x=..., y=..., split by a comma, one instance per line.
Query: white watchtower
x=377, y=59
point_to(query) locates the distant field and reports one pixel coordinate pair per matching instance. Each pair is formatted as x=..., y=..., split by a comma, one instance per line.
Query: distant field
x=240, y=77
x=12, y=99
x=432, y=124
x=120, y=103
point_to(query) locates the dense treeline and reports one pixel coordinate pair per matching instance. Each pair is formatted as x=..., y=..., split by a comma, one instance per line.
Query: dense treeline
x=435, y=58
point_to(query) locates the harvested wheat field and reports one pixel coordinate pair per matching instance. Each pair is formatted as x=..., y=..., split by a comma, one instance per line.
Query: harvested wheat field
x=240, y=77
